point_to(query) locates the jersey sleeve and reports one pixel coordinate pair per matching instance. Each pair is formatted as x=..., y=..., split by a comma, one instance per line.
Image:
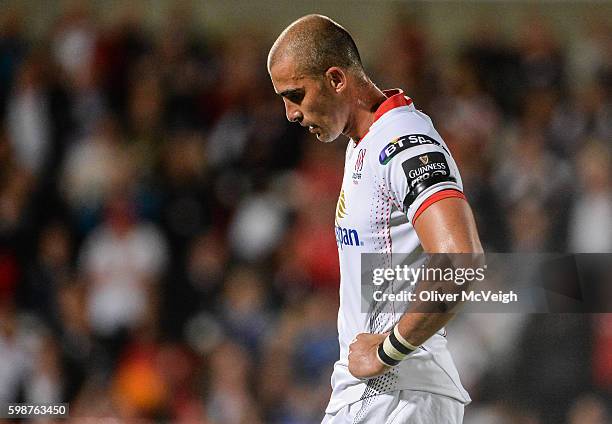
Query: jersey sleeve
x=418, y=170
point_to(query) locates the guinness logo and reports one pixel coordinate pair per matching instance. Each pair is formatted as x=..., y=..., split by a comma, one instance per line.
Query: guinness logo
x=424, y=159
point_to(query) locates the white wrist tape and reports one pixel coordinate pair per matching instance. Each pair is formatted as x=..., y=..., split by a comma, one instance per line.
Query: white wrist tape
x=394, y=349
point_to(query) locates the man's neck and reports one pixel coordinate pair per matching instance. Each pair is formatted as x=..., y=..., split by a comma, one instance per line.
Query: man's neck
x=368, y=99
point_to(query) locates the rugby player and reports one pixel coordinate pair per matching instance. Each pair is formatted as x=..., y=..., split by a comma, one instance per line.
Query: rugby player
x=401, y=192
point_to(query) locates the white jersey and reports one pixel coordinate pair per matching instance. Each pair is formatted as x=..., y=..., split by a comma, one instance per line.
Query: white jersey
x=396, y=171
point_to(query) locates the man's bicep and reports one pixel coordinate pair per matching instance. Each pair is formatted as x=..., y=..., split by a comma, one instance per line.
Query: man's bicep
x=448, y=226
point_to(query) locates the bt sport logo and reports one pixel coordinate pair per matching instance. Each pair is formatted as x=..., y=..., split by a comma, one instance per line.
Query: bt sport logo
x=400, y=144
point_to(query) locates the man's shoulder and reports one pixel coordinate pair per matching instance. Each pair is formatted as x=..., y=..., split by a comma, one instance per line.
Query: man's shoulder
x=403, y=131
x=400, y=122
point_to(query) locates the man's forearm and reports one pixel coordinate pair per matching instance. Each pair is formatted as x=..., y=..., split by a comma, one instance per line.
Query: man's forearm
x=447, y=228
x=418, y=327
x=421, y=322
x=424, y=318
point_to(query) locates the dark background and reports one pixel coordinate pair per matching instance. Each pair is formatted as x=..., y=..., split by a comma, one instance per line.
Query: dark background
x=166, y=237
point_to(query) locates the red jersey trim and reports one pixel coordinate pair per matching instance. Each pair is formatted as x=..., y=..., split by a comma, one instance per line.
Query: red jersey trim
x=436, y=197
x=395, y=98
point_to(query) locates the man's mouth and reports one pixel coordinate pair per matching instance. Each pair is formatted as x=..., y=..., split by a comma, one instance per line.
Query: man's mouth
x=312, y=128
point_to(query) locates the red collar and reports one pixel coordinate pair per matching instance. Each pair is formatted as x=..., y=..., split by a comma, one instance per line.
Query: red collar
x=395, y=98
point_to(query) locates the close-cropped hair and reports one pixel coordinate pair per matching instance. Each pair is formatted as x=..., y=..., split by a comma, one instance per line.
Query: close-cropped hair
x=320, y=44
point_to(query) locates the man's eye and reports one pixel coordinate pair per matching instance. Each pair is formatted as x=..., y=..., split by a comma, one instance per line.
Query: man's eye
x=295, y=97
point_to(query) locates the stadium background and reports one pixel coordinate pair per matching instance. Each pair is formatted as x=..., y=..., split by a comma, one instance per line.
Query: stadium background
x=166, y=241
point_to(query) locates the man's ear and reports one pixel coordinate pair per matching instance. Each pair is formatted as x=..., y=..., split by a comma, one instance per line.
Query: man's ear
x=336, y=78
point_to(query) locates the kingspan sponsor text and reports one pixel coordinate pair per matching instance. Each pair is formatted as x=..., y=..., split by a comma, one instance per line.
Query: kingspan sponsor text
x=347, y=237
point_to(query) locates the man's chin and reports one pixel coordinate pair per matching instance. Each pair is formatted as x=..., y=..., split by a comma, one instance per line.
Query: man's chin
x=325, y=138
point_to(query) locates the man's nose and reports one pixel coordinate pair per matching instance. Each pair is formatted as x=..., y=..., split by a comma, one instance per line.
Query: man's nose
x=293, y=113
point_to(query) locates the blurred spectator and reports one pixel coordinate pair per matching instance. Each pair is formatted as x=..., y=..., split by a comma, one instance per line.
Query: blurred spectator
x=241, y=68
x=586, y=114
x=602, y=362
x=485, y=367
x=539, y=353
x=468, y=116
x=48, y=273
x=15, y=191
x=118, y=49
x=45, y=384
x=74, y=39
x=314, y=195
x=542, y=62
x=534, y=180
x=81, y=357
x=243, y=308
x=588, y=410
x=121, y=261
x=530, y=230
x=139, y=386
x=257, y=227
x=206, y=267
x=9, y=274
x=591, y=51
x=496, y=63
x=15, y=362
x=229, y=400
x=412, y=65
x=186, y=70
x=145, y=112
x=30, y=369
x=93, y=166
x=195, y=287
x=13, y=47
x=591, y=224
x=73, y=48
x=28, y=117
x=187, y=202
x=317, y=335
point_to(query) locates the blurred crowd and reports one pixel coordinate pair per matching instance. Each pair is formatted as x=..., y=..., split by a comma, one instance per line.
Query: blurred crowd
x=166, y=238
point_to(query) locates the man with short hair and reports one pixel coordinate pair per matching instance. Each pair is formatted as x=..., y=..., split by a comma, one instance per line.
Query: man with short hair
x=401, y=192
